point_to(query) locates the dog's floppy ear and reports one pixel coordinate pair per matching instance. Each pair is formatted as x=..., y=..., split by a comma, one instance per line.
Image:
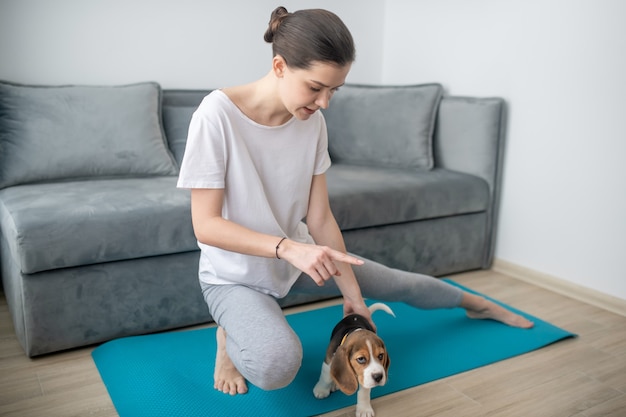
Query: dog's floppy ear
x=342, y=373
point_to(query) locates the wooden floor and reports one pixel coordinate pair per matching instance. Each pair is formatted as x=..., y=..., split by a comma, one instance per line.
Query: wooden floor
x=581, y=377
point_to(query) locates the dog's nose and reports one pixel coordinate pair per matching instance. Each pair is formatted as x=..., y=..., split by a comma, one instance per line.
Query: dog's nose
x=377, y=377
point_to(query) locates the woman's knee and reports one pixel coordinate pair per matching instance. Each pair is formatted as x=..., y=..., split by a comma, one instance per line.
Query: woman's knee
x=277, y=366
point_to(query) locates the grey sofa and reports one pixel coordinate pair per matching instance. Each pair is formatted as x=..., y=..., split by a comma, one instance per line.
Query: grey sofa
x=96, y=241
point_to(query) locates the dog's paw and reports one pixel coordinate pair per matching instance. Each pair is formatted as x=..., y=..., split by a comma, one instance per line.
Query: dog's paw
x=322, y=390
x=364, y=411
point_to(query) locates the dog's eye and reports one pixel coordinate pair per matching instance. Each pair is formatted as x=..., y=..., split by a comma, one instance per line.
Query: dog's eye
x=361, y=360
x=381, y=356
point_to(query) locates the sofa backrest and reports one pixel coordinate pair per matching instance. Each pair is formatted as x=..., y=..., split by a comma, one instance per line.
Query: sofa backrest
x=383, y=126
x=177, y=107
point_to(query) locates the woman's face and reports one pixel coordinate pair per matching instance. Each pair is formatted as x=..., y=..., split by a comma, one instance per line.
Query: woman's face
x=305, y=91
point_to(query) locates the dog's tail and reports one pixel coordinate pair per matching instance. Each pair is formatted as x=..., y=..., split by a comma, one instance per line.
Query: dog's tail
x=381, y=306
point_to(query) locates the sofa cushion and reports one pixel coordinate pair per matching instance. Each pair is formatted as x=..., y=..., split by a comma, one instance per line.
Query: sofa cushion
x=65, y=132
x=383, y=126
x=390, y=196
x=59, y=225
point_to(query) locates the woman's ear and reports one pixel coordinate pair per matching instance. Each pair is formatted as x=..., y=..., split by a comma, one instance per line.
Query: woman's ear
x=279, y=65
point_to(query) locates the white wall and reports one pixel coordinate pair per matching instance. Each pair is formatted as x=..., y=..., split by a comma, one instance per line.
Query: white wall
x=561, y=65
x=180, y=44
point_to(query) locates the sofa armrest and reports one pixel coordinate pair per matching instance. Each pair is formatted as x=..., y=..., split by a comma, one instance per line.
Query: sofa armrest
x=469, y=137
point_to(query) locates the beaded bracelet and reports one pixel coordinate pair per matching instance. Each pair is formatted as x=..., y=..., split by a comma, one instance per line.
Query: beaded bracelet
x=277, y=246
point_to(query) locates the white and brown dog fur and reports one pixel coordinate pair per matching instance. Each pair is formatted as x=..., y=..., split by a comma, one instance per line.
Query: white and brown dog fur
x=356, y=358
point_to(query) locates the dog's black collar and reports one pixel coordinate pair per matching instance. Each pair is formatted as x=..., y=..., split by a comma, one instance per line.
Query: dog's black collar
x=345, y=336
x=348, y=325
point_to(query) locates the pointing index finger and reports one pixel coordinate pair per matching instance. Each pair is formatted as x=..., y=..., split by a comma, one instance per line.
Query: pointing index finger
x=345, y=258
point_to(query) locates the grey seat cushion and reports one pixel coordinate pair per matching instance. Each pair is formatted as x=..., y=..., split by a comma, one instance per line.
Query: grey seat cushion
x=386, y=196
x=59, y=225
x=66, y=224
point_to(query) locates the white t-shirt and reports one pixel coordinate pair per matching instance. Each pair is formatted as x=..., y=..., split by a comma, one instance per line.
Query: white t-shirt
x=266, y=174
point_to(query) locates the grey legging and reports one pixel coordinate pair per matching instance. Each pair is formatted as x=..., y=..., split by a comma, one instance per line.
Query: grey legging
x=268, y=352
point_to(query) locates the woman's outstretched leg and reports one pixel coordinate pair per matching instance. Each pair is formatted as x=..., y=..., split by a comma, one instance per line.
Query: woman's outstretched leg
x=477, y=307
x=380, y=282
x=426, y=292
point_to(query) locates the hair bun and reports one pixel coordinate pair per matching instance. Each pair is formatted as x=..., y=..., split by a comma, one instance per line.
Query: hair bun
x=310, y=35
x=278, y=15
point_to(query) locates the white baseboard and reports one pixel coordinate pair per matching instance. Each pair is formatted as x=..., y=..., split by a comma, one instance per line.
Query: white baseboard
x=561, y=286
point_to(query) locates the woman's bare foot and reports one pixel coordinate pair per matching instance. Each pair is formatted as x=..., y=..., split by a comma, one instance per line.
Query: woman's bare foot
x=227, y=378
x=480, y=308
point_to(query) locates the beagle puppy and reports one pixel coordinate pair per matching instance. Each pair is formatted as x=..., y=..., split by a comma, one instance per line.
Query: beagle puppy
x=356, y=358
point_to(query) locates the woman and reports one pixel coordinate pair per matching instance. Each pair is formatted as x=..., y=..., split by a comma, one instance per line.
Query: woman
x=255, y=162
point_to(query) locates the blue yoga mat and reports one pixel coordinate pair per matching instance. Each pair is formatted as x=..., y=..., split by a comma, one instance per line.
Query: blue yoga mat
x=171, y=374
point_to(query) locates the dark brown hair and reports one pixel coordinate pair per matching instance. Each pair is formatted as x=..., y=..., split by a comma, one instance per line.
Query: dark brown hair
x=307, y=36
